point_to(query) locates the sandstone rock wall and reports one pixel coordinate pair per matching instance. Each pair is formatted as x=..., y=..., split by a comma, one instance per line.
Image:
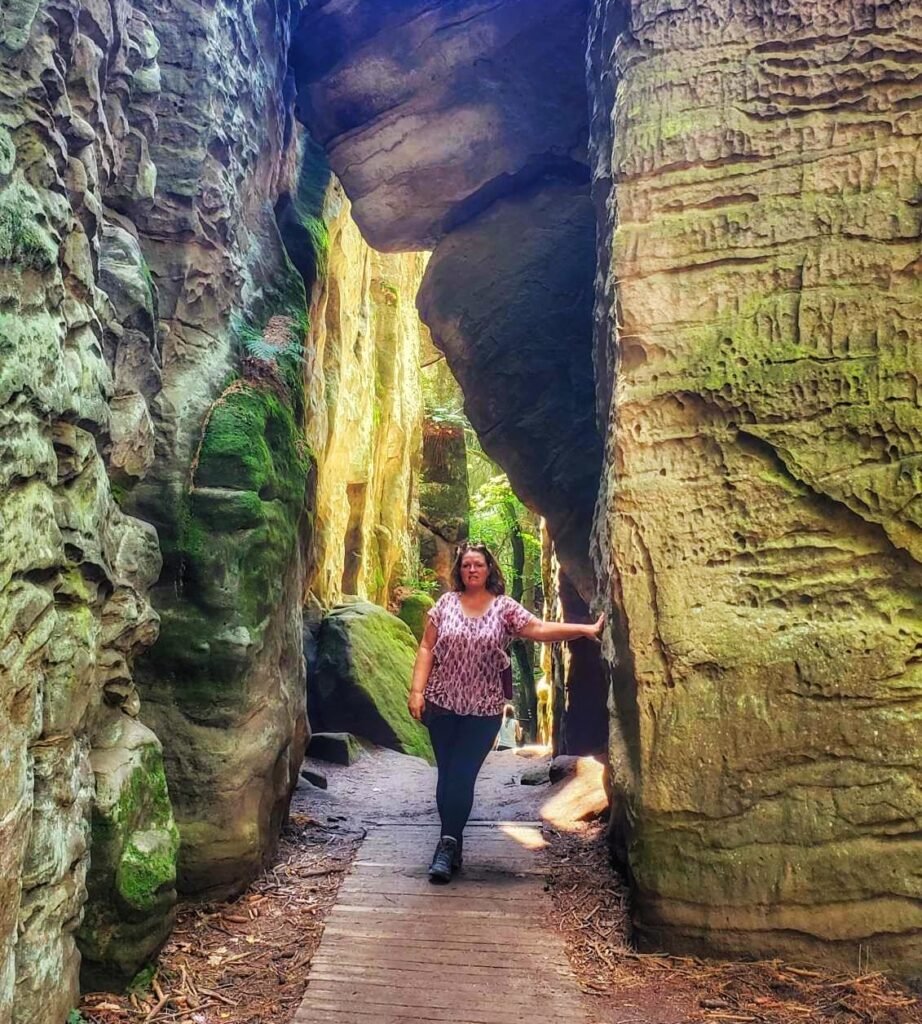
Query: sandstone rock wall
x=74, y=569
x=447, y=129
x=759, y=522
x=224, y=687
x=365, y=418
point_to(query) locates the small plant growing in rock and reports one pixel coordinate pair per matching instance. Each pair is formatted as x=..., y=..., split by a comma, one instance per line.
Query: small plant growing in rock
x=272, y=356
x=281, y=337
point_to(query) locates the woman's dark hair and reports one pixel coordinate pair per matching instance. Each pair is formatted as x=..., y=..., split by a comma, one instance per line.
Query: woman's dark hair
x=495, y=582
x=509, y=711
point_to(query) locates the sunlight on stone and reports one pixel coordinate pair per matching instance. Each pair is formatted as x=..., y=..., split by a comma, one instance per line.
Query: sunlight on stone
x=524, y=835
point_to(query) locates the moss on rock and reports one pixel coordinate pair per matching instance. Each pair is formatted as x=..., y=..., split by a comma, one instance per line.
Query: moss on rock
x=131, y=884
x=147, y=867
x=23, y=241
x=413, y=610
x=364, y=667
x=235, y=535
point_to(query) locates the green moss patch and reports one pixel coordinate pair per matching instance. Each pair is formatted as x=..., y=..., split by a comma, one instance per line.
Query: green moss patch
x=236, y=534
x=147, y=867
x=364, y=668
x=413, y=610
x=23, y=240
x=131, y=882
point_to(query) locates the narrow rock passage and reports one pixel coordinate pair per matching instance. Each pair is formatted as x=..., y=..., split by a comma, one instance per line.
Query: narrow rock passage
x=398, y=950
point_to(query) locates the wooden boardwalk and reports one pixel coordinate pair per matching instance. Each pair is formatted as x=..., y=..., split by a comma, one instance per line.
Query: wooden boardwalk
x=398, y=950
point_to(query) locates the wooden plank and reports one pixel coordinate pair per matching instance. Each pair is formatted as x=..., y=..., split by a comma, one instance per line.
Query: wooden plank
x=326, y=1010
x=397, y=950
x=473, y=871
x=420, y=961
x=435, y=930
x=365, y=996
x=357, y=949
x=498, y=981
x=326, y=1014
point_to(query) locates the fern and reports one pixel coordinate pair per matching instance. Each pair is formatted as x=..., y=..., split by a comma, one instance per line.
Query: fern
x=281, y=338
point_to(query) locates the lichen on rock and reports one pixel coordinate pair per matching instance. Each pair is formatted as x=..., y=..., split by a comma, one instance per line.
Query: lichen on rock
x=757, y=533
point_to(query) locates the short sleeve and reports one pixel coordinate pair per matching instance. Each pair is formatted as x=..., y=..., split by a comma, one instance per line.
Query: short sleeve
x=515, y=617
x=435, y=613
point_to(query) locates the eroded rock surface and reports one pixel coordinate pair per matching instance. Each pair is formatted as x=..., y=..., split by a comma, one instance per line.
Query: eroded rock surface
x=364, y=411
x=74, y=569
x=224, y=687
x=515, y=324
x=429, y=112
x=759, y=521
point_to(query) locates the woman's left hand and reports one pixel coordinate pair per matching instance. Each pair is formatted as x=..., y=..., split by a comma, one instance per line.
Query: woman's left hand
x=597, y=628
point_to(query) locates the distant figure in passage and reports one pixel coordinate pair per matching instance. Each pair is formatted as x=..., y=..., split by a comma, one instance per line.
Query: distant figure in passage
x=457, y=691
x=545, y=716
x=508, y=738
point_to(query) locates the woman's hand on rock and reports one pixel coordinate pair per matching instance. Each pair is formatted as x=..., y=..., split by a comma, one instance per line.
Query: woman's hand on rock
x=416, y=703
x=597, y=628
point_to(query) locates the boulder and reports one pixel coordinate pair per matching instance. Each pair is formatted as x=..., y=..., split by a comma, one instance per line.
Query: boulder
x=317, y=779
x=535, y=775
x=413, y=611
x=562, y=767
x=335, y=747
x=579, y=795
x=364, y=668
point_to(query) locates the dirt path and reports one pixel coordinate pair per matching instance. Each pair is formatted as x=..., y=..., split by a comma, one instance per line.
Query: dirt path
x=384, y=785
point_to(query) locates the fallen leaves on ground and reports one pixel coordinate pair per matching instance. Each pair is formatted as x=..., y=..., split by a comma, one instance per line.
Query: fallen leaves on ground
x=246, y=961
x=592, y=912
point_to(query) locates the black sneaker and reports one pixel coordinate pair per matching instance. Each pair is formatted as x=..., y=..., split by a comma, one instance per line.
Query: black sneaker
x=443, y=861
x=458, y=859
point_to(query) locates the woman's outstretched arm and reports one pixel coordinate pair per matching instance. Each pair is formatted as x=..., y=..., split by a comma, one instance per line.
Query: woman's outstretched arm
x=421, y=669
x=551, y=632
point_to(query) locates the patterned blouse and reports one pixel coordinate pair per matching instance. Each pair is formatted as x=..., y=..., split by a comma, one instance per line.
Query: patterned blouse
x=470, y=654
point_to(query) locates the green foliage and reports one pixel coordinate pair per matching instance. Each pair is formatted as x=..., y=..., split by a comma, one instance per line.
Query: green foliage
x=22, y=239
x=142, y=981
x=424, y=582
x=320, y=242
x=495, y=509
x=76, y=1017
x=313, y=181
x=280, y=340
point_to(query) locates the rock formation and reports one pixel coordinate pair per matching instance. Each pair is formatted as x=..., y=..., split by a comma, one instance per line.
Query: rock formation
x=224, y=686
x=364, y=411
x=364, y=667
x=748, y=210
x=759, y=519
x=443, y=122
x=756, y=196
x=74, y=569
x=430, y=113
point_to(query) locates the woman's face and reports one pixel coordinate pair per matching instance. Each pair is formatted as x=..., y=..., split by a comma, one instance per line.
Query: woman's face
x=473, y=569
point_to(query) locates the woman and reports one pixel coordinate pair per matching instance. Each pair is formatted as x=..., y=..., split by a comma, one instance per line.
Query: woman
x=457, y=691
x=508, y=736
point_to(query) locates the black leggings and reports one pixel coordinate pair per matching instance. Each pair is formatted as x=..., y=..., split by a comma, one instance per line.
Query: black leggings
x=461, y=744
